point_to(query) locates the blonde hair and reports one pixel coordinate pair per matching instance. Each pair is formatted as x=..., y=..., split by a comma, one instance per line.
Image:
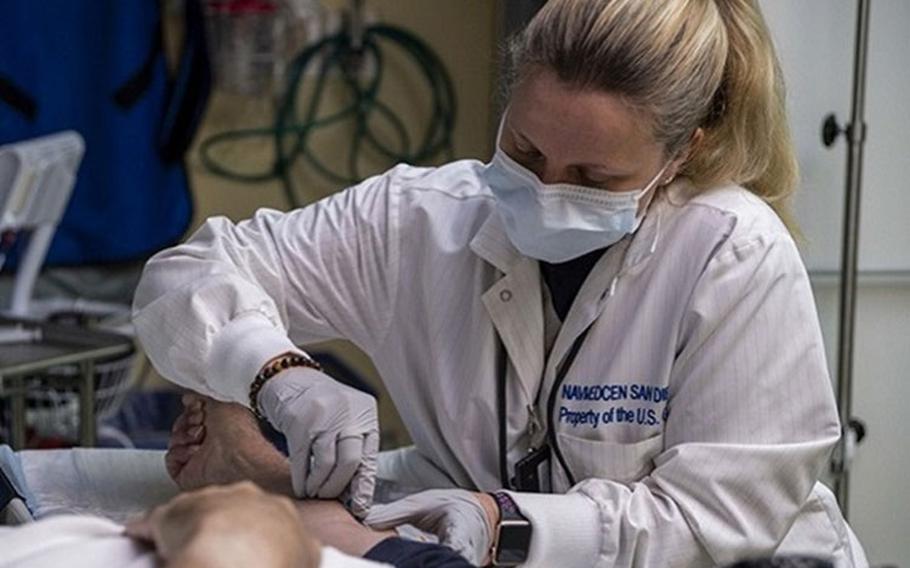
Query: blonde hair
x=685, y=64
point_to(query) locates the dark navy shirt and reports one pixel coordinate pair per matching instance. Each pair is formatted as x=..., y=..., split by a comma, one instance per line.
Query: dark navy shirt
x=403, y=553
x=564, y=279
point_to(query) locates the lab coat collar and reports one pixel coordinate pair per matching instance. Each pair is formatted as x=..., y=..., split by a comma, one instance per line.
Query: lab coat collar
x=492, y=244
x=514, y=303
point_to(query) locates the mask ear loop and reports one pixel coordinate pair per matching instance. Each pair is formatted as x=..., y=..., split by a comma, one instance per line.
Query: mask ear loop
x=655, y=189
x=502, y=124
x=656, y=235
x=652, y=188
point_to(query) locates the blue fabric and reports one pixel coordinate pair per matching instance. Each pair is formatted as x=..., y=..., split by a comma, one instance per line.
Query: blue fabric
x=69, y=58
x=403, y=553
x=12, y=468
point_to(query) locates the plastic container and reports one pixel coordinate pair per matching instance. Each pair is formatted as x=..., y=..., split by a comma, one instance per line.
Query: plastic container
x=247, y=42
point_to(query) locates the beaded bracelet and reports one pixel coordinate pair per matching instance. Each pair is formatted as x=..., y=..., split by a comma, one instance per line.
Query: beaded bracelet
x=271, y=369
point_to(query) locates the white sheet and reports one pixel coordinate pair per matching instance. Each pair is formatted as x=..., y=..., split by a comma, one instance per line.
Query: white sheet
x=115, y=484
x=91, y=542
x=77, y=542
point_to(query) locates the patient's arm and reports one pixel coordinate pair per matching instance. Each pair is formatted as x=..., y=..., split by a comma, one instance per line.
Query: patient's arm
x=334, y=526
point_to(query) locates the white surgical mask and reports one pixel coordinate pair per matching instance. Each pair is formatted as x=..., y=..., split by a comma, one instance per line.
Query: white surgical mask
x=559, y=222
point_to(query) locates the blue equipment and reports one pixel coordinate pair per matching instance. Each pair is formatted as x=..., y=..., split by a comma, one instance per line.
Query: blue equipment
x=97, y=67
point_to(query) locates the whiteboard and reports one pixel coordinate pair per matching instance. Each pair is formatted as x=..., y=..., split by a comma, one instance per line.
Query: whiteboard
x=815, y=39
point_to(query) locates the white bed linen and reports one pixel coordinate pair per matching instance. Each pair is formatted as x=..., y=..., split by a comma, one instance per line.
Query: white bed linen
x=92, y=542
x=112, y=483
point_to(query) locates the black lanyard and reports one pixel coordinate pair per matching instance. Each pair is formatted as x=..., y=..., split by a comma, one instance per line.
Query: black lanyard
x=561, y=373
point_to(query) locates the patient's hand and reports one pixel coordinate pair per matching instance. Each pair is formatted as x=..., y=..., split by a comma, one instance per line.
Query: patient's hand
x=239, y=525
x=216, y=443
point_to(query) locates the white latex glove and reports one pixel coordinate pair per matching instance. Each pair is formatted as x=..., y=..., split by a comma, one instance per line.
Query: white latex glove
x=332, y=432
x=456, y=516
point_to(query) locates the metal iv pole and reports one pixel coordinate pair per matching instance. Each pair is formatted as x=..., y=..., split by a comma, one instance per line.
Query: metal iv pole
x=855, y=132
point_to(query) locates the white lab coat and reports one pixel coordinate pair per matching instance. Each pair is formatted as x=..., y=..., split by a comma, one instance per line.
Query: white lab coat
x=708, y=305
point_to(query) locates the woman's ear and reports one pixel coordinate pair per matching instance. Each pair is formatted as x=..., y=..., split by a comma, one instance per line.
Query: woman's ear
x=677, y=164
x=695, y=141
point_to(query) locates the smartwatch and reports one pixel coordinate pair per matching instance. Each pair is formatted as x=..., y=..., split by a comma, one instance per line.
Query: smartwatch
x=513, y=534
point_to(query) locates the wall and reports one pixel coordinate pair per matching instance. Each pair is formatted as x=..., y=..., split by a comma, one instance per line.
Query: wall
x=461, y=33
x=815, y=43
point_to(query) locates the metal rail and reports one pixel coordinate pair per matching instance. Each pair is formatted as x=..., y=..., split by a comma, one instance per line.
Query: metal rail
x=855, y=132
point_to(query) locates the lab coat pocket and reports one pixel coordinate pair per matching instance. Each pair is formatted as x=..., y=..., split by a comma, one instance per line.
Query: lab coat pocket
x=599, y=459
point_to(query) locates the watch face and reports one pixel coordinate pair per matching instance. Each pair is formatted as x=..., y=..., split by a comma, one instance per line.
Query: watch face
x=514, y=541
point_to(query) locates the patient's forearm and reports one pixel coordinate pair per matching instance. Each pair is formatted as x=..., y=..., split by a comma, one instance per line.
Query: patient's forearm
x=334, y=526
x=326, y=520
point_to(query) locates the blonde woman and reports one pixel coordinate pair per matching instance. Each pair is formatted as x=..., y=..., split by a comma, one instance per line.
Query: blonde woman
x=603, y=341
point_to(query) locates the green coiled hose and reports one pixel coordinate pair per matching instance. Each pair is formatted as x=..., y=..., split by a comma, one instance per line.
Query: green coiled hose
x=337, y=52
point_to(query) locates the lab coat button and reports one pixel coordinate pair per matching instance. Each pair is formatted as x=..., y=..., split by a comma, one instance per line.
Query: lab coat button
x=505, y=295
